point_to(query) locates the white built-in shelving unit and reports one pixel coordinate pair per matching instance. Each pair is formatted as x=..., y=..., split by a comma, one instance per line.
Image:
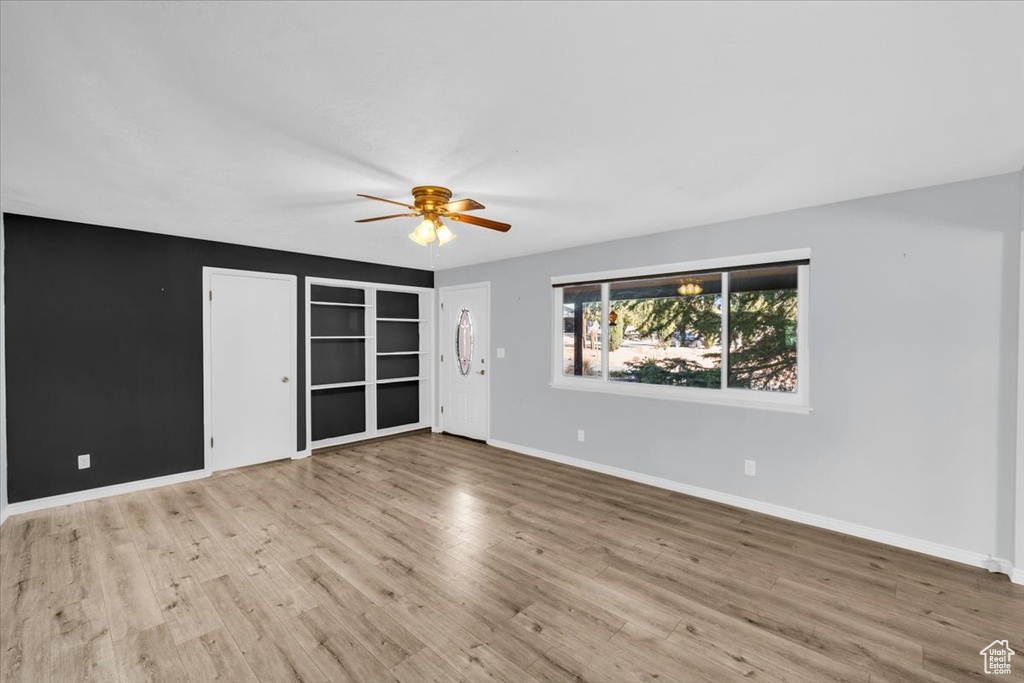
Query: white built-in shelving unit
x=367, y=360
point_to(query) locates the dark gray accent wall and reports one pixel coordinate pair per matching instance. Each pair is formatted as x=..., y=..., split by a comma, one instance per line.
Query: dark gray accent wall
x=104, y=348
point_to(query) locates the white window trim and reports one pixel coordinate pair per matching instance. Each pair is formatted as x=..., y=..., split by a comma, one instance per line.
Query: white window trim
x=796, y=402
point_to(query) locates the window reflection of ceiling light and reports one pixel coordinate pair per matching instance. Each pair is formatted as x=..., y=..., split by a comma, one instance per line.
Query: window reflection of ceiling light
x=689, y=288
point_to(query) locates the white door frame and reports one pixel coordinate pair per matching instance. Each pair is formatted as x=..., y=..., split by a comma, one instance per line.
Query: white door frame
x=208, y=360
x=440, y=374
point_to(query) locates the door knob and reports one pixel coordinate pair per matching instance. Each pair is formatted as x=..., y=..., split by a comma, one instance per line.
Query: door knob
x=284, y=379
x=481, y=372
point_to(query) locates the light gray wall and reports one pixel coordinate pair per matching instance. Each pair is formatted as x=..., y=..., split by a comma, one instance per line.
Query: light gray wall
x=913, y=343
x=1019, y=557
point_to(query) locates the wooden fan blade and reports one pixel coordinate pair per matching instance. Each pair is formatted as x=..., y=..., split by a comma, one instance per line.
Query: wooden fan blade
x=482, y=222
x=462, y=205
x=389, y=201
x=384, y=218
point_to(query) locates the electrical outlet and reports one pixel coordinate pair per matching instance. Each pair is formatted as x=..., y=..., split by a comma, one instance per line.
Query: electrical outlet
x=83, y=462
x=501, y=352
x=580, y=435
x=750, y=468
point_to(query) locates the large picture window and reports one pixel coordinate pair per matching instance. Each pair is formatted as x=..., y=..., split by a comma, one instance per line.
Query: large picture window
x=724, y=331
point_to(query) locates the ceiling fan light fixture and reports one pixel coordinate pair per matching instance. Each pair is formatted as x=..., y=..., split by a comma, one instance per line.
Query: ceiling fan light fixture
x=433, y=202
x=444, y=234
x=424, y=233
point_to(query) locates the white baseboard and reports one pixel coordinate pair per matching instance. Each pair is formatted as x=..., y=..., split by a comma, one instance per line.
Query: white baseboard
x=900, y=541
x=997, y=565
x=299, y=455
x=102, y=492
x=3, y=515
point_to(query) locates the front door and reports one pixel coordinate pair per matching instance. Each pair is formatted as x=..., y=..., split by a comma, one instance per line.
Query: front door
x=465, y=369
x=251, y=395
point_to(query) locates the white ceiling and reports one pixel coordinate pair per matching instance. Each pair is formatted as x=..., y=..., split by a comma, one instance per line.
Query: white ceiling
x=576, y=122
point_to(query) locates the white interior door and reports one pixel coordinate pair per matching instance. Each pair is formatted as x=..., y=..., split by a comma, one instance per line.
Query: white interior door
x=251, y=352
x=465, y=368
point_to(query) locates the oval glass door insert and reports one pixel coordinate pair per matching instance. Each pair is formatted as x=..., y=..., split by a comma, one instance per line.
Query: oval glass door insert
x=464, y=342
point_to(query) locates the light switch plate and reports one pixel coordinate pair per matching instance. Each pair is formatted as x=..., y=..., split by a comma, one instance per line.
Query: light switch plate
x=83, y=462
x=501, y=352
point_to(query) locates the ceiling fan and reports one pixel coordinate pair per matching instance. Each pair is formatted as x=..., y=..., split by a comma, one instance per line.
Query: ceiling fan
x=434, y=203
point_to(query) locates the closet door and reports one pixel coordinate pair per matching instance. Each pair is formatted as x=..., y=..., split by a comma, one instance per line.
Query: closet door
x=251, y=388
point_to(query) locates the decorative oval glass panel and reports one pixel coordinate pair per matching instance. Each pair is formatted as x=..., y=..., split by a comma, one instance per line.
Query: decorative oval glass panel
x=464, y=342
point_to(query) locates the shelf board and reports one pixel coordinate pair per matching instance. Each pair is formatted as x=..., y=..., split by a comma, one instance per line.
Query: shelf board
x=343, y=337
x=335, y=303
x=400, y=379
x=398, y=429
x=400, y=353
x=401, y=320
x=339, y=385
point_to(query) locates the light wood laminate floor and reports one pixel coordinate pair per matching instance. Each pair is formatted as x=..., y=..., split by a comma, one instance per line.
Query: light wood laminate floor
x=431, y=558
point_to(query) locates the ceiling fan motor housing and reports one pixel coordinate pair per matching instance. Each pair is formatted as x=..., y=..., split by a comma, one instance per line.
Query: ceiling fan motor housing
x=429, y=197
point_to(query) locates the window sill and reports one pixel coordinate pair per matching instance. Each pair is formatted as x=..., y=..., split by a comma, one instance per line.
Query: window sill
x=683, y=394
